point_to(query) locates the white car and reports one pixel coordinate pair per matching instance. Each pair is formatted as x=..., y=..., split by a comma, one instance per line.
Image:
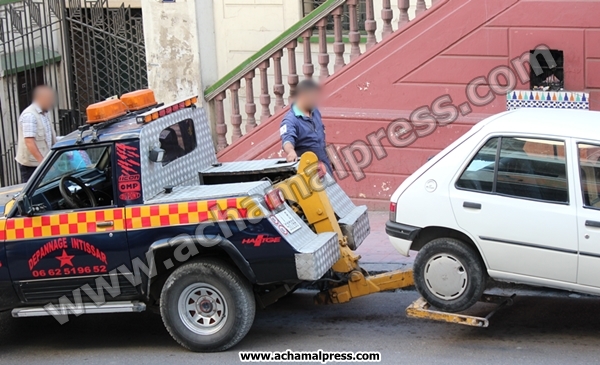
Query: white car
x=516, y=199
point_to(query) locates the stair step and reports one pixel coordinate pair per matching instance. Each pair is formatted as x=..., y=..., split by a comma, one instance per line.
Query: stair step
x=88, y=308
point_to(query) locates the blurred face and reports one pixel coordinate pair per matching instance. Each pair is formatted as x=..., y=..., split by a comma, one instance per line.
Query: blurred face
x=309, y=100
x=45, y=99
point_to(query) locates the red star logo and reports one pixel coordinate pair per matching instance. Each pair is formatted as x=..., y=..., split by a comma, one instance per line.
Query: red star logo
x=65, y=259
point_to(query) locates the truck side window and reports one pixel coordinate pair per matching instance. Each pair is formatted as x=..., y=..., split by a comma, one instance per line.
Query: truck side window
x=178, y=140
x=479, y=175
x=91, y=166
x=589, y=169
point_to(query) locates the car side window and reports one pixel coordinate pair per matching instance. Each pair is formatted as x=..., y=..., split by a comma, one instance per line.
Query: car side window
x=479, y=175
x=528, y=168
x=533, y=169
x=589, y=169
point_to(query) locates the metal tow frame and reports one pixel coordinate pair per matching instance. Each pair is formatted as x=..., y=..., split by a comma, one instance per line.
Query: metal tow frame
x=319, y=213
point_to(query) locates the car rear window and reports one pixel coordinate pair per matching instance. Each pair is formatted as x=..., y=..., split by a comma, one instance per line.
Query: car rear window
x=528, y=168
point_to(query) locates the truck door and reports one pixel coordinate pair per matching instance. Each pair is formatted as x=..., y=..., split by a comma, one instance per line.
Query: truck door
x=79, y=235
x=588, y=213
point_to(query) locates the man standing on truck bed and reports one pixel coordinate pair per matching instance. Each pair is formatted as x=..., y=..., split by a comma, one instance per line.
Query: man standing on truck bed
x=302, y=129
x=36, y=135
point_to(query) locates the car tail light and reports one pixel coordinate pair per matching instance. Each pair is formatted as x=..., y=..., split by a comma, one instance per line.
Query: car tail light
x=275, y=200
x=392, y=211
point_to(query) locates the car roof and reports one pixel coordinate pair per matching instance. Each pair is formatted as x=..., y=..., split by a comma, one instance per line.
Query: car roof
x=125, y=128
x=582, y=124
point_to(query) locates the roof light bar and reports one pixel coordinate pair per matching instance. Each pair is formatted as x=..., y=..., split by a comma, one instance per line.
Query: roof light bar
x=138, y=100
x=156, y=113
x=105, y=111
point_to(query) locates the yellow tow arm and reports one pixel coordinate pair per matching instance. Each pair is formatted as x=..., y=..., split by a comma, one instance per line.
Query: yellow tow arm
x=307, y=190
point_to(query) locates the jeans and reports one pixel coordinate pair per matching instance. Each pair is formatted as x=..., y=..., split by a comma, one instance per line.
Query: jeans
x=26, y=172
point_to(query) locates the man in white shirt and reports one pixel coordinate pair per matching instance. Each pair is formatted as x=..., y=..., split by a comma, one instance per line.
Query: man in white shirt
x=36, y=134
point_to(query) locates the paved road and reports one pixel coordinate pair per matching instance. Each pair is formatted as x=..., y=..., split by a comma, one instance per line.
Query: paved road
x=535, y=330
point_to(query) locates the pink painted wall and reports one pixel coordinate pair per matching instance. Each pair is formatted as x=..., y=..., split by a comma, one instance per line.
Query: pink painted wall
x=439, y=53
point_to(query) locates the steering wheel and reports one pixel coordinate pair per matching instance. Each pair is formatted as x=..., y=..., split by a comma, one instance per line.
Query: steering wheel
x=72, y=199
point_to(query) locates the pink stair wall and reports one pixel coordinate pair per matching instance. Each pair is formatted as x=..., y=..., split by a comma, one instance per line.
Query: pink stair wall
x=439, y=53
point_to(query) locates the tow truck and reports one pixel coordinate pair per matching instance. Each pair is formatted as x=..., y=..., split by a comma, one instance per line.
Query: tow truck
x=133, y=212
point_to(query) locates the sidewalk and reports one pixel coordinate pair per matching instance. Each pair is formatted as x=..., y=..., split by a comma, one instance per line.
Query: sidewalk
x=377, y=252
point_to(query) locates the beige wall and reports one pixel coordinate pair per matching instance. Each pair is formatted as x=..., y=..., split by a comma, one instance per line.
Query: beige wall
x=242, y=27
x=172, y=49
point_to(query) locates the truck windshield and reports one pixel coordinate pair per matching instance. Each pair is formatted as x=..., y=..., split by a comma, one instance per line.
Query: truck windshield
x=72, y=162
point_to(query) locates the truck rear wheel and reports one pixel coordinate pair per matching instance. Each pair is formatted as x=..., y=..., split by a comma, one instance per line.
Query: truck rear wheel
x=449, y=274
x=207, y=306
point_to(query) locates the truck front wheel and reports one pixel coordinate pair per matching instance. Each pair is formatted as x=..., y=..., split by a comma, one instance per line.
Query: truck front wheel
x=207, y=306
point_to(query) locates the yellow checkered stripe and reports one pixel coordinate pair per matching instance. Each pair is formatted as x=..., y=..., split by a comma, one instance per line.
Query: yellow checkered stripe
x=160, y=215
x=61, y=224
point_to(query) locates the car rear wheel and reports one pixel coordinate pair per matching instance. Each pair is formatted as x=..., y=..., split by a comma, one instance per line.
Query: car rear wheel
x=207, y=306
x=449, y=274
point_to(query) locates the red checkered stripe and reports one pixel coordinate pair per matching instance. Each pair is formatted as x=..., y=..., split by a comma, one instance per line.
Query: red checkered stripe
x=160, y=215
x=61, y=224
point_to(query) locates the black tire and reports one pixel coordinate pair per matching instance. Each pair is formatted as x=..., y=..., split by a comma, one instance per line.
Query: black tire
x=449, y=274
x=222, y=313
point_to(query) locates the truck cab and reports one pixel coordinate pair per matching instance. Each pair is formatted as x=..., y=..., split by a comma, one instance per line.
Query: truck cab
x=133, y=210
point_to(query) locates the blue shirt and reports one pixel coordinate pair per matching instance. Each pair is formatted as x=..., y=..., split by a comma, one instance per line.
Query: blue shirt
x=305, y=134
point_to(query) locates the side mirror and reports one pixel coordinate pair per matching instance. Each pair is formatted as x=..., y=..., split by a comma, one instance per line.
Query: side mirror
x=24, y=205
x=157, y=154
x=27, y=209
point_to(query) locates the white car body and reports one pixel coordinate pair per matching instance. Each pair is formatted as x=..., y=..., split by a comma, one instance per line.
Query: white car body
x=526, y=240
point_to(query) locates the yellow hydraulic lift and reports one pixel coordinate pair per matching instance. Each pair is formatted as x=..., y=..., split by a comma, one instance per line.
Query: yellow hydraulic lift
x=306, y=190
x=319, y=213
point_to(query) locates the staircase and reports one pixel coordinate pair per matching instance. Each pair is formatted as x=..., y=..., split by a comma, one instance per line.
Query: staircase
x=420, y=71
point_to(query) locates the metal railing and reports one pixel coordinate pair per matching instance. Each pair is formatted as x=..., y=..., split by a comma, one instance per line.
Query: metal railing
x=283, y=49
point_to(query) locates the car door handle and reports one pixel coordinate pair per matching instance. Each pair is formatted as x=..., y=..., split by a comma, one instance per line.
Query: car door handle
x=471, y=205
x=106, y=224
x=594, y=224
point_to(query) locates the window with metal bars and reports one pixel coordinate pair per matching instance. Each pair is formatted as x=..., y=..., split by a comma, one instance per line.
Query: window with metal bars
x=361, y=10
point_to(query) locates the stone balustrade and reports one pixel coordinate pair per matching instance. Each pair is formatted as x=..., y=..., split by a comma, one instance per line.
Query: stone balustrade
x=267, y=64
